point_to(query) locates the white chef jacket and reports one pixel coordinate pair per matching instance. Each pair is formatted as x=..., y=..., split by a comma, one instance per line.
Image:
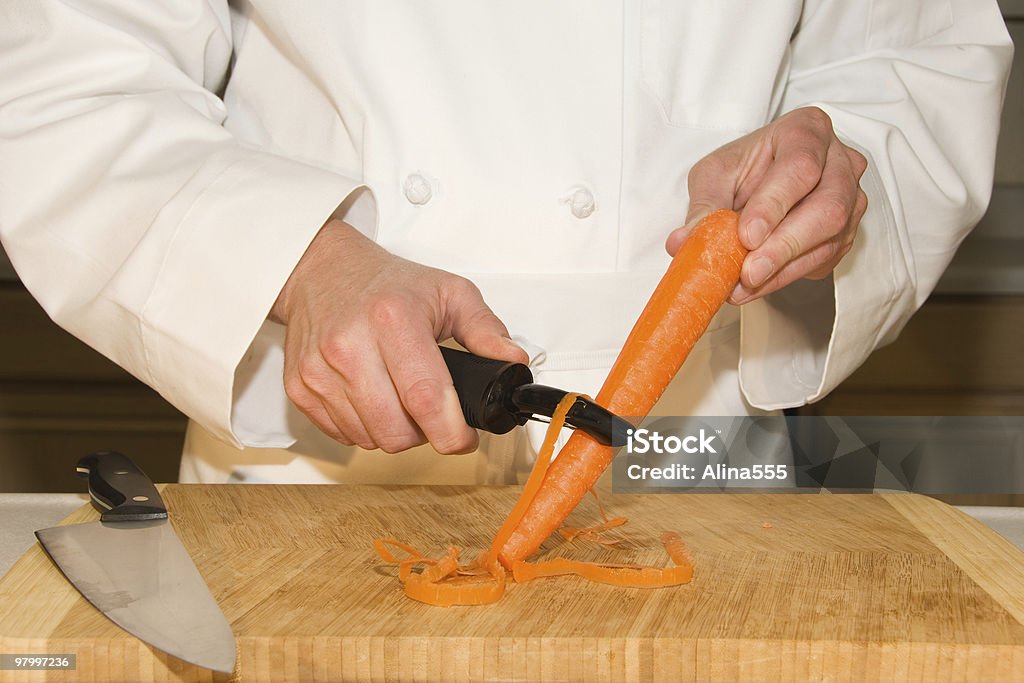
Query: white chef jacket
x=163, y=166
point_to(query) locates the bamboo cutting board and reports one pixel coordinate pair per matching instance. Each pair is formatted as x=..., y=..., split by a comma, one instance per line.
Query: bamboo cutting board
x=787, y=587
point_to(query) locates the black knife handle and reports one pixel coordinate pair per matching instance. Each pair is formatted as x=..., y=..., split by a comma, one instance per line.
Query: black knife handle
x=485, y=389
x=119, y=489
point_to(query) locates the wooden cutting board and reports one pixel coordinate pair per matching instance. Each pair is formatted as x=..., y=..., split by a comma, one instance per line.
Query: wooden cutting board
x=787, y=587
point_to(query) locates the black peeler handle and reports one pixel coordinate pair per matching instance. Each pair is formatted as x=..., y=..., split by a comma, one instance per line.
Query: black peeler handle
x=485, y=389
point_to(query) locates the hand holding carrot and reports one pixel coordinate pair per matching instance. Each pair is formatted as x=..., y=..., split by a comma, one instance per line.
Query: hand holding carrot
x=797, y=187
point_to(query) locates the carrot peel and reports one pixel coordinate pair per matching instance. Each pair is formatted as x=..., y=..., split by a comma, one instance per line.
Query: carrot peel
x=633, y=576
x=445, y=582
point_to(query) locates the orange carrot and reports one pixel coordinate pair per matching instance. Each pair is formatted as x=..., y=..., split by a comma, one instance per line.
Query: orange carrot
x=700, y=278
x=632, y=576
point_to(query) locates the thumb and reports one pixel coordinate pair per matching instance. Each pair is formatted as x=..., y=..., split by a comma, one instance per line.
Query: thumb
x=679, y=235
x=474, y=325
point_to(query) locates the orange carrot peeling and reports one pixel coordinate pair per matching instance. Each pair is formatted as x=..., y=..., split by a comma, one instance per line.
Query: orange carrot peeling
x=445, y=582
x=700, y=278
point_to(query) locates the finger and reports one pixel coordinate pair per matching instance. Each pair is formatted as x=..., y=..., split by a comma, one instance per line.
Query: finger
x=377, y=403
x=327, y=387
x=711, y=187
x=418, y=377
x=816, y=265
x=306, y=399
x=313, y=408
x=425, y=388
x=858, y=161
x=820, y=217
x=845, y=240
x=341, y=411
x=826, y=256
x=800, y=157
x=473, y=324
x=362, y=386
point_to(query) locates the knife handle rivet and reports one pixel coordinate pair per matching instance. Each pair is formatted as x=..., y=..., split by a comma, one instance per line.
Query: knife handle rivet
x=140, y=499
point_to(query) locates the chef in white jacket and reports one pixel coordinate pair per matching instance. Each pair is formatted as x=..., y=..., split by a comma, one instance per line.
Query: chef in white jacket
x=270, y=212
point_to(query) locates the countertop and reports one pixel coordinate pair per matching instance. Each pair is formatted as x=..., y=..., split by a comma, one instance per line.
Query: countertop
x=22, y=513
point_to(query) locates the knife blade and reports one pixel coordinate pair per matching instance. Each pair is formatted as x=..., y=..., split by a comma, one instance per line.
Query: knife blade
x=132, y=567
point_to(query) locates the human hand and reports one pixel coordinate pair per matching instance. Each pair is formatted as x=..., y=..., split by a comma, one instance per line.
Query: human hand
x=797, y=189
x=361, y=358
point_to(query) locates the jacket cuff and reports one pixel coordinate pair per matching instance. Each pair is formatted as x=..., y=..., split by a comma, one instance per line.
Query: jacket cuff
x=799, y=343
x=230, y=256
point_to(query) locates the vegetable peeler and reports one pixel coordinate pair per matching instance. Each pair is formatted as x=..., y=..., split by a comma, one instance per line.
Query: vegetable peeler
x=497, y=395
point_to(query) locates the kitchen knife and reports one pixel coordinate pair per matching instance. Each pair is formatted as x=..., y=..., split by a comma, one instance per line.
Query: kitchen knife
x=131, y=566
x=497, y=395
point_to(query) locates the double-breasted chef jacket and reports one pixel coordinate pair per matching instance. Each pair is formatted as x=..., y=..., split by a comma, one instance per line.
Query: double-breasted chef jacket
x=163, y=166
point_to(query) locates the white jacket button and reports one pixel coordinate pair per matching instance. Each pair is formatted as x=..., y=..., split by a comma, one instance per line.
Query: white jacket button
x=417, y=189
x=581, y=201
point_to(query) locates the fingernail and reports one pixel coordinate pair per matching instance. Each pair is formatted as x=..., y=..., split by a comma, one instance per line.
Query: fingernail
x=757, y=231
x=759, y=270
x=456, y=421
x=452, y=408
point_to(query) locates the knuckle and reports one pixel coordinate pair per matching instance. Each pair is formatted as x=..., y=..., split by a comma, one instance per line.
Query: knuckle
x=466, y=287
x=396, y=443
x=791, y=246
x=331, y=430
x=484, y=318
x=847, y=241
x=805, y=168
x=422, y=398
x=858, y=160
x=459, y=291
x=339, y=353
x=817, y=119
x=835, y=213
x=309, y=372
x=860, y=205
x=709, y=167
x=832, y=252
x=388, y=311
x=455, y=443
x=295, y=390
x=773, y=206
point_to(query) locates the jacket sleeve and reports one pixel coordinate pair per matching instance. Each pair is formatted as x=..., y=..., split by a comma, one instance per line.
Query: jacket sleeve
x=125, y=203
x=917, y=87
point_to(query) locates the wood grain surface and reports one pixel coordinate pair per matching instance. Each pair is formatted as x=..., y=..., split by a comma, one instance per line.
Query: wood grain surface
x=787, y=587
